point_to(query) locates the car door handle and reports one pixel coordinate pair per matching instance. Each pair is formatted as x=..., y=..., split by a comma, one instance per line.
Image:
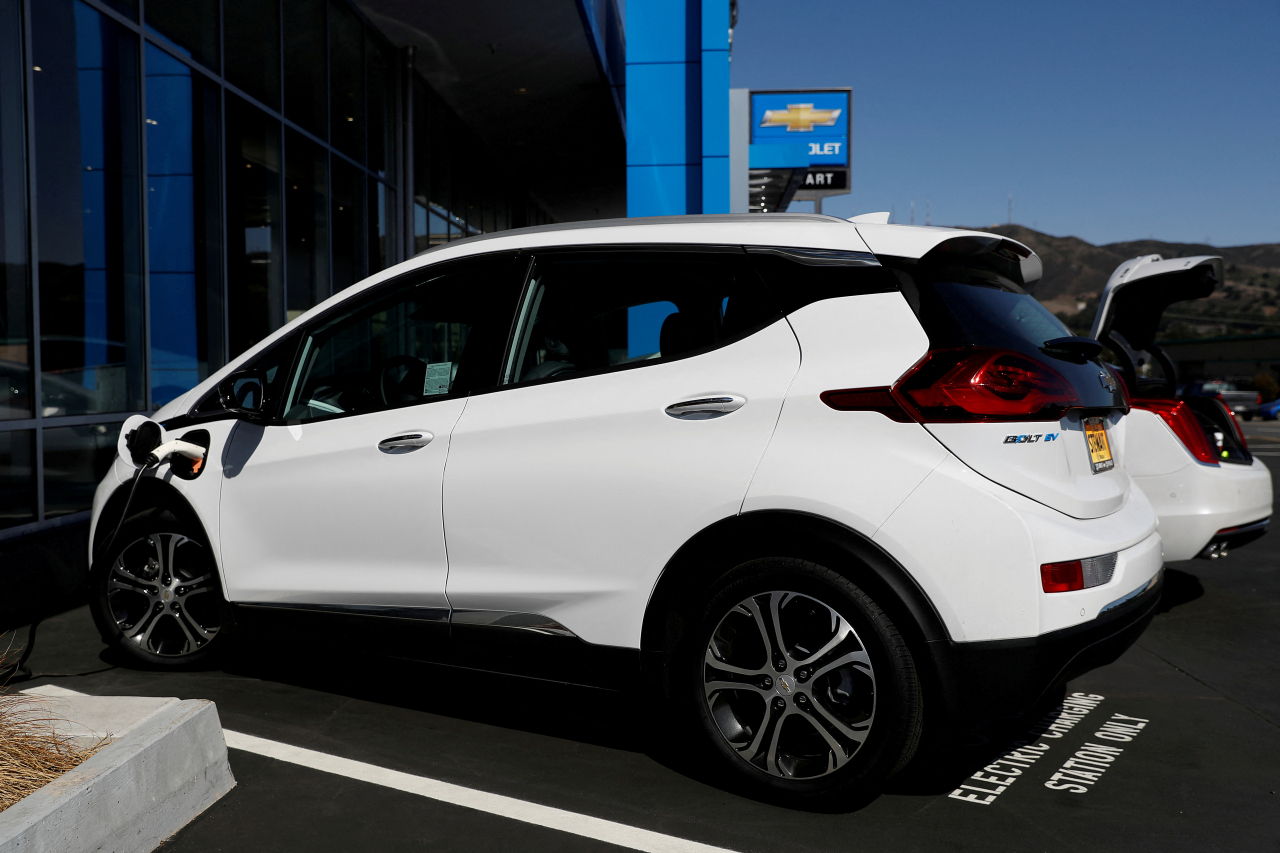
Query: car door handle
x=405, y=443
x=705, y=408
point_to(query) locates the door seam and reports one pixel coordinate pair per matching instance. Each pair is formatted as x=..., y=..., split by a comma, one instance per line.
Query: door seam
x=785, y=396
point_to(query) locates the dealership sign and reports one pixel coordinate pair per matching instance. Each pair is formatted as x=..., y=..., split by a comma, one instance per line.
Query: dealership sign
x=819, y=118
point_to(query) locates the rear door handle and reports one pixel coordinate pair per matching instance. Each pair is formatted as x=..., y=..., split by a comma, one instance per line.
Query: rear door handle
x=705, y=408
x=405, y=443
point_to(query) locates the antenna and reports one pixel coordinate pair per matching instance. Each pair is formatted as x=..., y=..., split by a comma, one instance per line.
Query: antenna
x=913, y=211
x=891, y=208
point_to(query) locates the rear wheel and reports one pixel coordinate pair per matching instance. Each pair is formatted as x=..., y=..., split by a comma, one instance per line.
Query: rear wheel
x=802, y=685
x=156, y=595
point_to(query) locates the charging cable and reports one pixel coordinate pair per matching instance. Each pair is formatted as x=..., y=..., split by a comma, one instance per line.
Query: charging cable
x=19, y=671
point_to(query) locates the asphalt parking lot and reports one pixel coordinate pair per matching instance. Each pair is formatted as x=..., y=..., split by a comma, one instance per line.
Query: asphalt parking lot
x=1181, y=752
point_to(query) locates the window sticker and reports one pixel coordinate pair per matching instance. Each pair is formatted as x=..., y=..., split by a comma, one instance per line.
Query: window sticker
x=437, y=379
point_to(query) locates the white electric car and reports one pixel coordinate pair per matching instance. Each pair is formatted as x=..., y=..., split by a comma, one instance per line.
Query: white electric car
x=1187, y=453
x=810, y=480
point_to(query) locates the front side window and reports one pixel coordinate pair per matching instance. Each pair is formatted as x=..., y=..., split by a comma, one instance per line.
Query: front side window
x=586, y=312
x=438, y=335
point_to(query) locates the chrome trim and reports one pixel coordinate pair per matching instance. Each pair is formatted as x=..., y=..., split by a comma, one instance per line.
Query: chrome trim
x=405, y=443
x=534, y=622
x=705, y=408
x=1132, y=595
x=385, y=611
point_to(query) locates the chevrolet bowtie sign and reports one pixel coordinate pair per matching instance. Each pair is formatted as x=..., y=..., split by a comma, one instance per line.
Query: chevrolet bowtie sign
x=801, y=117
x=818, y=118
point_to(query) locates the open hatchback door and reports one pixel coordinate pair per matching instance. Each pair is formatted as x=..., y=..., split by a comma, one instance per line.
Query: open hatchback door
x=1187, y=453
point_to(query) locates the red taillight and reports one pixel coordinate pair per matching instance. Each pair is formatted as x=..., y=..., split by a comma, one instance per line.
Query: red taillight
x=1062, y=577
x=1259, y=399
x=983, y=384
x=1235, y=425
x=866, y=400
x=1178, y=416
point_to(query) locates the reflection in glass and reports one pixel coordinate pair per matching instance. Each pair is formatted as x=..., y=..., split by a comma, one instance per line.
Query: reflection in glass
x=381, y=238
x=255, y=298
x=15, y=329
x=382, y=111
x=182, y=214
x=190, y=25
x=306, y=90
x=253, y=60
x=88, y=210
x=347, y=211
x=306, y=223
x=17, y=478
x=346, y=80
x=75, y=461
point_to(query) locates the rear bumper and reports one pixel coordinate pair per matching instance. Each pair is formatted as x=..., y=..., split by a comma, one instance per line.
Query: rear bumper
x=995, y=678
x=1197, y=501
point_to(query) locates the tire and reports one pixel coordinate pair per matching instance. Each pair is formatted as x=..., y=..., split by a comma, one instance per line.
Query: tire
x=156, y=595
x=791, y=733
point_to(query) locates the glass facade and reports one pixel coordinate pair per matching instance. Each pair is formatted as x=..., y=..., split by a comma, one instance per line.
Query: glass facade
x=182, y=177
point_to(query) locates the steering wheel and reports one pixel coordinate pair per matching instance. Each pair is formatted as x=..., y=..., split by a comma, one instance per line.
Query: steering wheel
x=393, y=391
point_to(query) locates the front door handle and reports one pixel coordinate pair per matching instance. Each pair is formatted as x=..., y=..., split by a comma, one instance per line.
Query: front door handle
x=405, y=443
x=705, y=408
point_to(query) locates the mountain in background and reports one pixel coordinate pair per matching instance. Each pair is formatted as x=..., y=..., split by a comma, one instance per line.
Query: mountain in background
x=1075, y=272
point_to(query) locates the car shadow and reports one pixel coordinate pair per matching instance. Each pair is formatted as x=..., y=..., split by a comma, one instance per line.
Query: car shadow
x=1179, y=588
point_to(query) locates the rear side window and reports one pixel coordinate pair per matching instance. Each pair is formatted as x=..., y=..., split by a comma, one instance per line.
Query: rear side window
x=590, y=311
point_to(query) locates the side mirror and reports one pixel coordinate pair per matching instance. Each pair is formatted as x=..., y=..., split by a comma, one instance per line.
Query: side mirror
x=244, y=392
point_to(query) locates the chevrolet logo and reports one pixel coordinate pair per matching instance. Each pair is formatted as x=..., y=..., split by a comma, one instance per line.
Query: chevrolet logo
x=801, y=117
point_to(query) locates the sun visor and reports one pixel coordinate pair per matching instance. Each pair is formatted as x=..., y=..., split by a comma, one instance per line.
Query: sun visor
x=1142, y=288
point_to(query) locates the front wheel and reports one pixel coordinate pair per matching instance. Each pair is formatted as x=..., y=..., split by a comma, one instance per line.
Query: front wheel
x=801, y=683
x=156, y=596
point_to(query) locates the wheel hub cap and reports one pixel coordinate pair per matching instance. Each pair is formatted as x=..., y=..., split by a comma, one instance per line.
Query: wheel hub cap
x=157, y=593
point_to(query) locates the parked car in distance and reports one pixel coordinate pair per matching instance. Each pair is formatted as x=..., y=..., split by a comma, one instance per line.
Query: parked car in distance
x=1243, y=403
x=1185, y=447
x=927, y=517
x=1269, y=411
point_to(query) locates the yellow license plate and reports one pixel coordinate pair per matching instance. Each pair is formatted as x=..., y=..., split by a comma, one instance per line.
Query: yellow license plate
x=1095, y=434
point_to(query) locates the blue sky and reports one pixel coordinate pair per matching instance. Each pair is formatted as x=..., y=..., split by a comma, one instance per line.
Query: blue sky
x=1106, y=120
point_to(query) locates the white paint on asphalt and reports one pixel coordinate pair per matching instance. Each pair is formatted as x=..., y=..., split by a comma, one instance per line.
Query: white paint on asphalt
x=619, y=834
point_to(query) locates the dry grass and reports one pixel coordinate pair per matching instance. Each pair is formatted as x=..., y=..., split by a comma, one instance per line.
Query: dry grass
x=32, y=753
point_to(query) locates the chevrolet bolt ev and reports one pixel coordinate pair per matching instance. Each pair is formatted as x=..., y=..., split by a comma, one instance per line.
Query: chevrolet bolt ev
x=1187, y=451
x=808, y=481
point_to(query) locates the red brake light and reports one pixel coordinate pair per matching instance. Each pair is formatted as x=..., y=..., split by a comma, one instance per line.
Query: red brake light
x=1178, y=416
x=1259, y=398
x=984, y=384
x=866, y=400
x=1062, y=577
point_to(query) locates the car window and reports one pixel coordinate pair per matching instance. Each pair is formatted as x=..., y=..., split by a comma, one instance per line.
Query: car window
x=585, y=312
x=274, y=362
x=437, y=335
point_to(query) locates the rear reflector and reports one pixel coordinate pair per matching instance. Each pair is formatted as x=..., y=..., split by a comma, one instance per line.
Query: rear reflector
x=1183, y=422
x=1078, y=574
x=866, y=400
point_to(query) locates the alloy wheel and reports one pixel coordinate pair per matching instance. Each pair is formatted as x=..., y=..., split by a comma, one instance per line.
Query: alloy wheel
x=789, y=684
x=162, y=593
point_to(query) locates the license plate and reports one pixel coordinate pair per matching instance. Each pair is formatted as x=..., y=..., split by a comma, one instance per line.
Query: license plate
x=1095, y=434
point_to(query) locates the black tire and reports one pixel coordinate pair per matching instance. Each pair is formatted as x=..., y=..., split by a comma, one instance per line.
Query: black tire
x=765, y=736
x=160, y=606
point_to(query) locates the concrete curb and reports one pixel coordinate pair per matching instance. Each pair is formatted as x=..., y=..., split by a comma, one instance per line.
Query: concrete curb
x=133, y=793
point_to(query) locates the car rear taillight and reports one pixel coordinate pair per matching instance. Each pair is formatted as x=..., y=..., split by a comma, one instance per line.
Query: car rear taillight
x=1178, y=416
x=1235, y=425
x=866, y=400
x=1078, y=574
x=1259, y=399
x=984, y=385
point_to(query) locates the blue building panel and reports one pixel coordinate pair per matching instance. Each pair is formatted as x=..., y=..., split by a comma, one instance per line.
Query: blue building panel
x=715, y=185
x=662, y=31
x=663, y=190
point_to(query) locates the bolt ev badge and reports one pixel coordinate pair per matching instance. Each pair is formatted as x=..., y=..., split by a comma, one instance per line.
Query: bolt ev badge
x=1030, y=439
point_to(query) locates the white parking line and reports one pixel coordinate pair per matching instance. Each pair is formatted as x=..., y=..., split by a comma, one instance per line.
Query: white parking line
x=619, y=834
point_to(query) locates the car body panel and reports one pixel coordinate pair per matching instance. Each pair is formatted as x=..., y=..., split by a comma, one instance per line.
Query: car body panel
x=568, y=498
